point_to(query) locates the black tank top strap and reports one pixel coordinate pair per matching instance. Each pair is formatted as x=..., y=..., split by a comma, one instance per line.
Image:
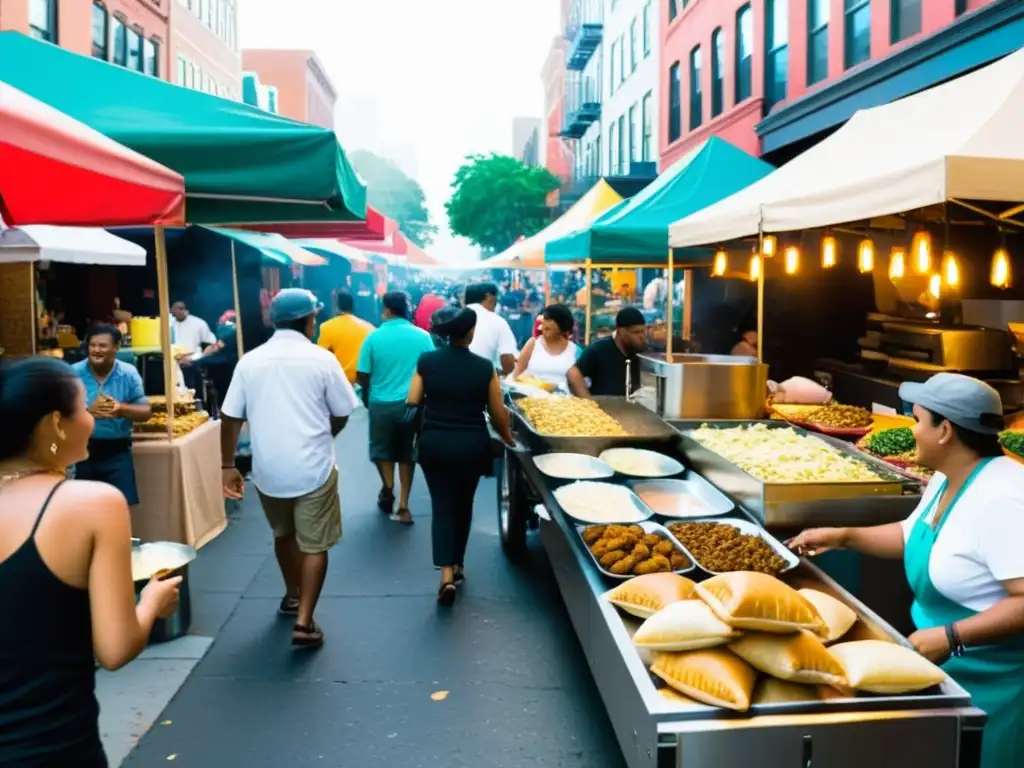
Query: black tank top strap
x=46, y=503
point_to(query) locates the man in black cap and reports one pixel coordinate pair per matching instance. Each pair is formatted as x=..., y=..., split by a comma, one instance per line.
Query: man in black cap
x=603, y=363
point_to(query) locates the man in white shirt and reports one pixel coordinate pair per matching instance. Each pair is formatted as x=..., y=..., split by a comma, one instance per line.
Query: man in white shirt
x=493, y=338
x=296, y=399
x=188, y=331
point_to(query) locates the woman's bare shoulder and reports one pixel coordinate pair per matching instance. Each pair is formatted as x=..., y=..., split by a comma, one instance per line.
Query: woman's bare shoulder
x=91, y=497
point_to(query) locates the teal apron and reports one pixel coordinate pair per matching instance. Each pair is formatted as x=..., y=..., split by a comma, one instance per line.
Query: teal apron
x=994, y=674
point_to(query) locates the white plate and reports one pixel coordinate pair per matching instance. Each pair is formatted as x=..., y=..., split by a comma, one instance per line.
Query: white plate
x=658, y=464
x=572, y=466
x=606, y=504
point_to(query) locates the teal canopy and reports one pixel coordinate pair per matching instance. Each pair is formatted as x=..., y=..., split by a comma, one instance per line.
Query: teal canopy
x=636, y=230
x=241, y=164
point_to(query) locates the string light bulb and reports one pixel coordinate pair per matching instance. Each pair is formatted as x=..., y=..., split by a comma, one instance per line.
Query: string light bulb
x=866, y=256
x=792, y=257
x=755, y=267
x=769, y=245
x=829, y=252
x=950, y=270
x=897, y=263
x=935, y=285
x=921, y=250
x=1001, y=276
x=721, y=263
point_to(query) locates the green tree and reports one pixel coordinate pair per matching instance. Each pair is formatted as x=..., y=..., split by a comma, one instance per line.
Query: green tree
x=497, y=199
x=393, y=193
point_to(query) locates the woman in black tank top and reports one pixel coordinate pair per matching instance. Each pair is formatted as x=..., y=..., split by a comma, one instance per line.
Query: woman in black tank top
x=54, y=536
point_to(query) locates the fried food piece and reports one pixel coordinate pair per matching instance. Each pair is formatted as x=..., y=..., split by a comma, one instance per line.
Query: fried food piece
x=599, y=547
x=679, y=561
x=625, y=542
x=625, y=565
x=636, y=530
x=654, y=564
x=663, y=547
x=651, y=539
x=593, y=533
x=608, y=559
x=614, y=531
x=641, y=551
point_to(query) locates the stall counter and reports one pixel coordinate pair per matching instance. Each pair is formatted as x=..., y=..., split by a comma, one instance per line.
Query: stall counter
x=180, y=490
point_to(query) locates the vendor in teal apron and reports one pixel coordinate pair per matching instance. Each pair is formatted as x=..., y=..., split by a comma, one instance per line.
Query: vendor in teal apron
x=963, y=550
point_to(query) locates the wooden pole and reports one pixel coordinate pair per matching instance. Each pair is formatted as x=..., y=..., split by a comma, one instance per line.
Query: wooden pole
x=669, y=295
x=760, y=294
x=547, y=286
x=688, y=304
x=164, y=301
x=33, y=293
x=586, y=322
x=238, y=305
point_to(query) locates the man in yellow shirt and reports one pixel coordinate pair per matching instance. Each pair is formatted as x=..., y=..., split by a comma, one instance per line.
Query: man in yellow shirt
x=343, y=335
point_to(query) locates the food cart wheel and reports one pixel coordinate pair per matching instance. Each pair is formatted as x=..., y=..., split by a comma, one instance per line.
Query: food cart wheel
x=513, y=511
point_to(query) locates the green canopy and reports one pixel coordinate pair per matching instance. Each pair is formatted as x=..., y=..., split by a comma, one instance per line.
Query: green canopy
x=636, y=231
x=241, y=164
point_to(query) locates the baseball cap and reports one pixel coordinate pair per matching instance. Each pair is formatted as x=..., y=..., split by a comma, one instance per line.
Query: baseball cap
x=293, y=304
x=965, y=401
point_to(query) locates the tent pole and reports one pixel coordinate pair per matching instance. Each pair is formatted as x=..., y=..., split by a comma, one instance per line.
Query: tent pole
x=760, y=293
x=586, y=322
x=547, y=286
x=33, y=281
x=164, y=300
x=238, y=304
x=688, y=304
x=669, y=295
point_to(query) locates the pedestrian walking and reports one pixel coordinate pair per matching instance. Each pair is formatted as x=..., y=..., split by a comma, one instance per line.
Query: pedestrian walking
x=296, y=399
x=65, y=573
x=493, y=339
x=343, y=335
x=452, y=388
x=386, y=366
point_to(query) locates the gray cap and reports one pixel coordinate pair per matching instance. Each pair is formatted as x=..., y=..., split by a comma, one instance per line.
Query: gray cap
x=967, y=402
x=293, y=304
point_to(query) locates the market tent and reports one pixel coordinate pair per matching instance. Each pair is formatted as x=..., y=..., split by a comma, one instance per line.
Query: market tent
x=55, y=170
x=529, y=253
x=273, y=247
x=961, y=139
x=68, y=245
x=327, y=246
x=636, y=230
x=240, y=164
x=376, y=227
x=398, y=248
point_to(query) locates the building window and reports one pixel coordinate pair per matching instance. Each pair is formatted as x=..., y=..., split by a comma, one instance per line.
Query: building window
x=597, y=144
x=622, y=59
x=42, y=20
x=817, y=40
x=776, y=64
x=120, y=38
x=696, y=92
x=905, y=19
x=857, y=28
x=647, y=144
x=100, y=31
x=613, y=147
x=134, y=50
x=179, y=78
x=717, y=72
x=673, y=11
x=647, y=29
x=960, y=7
x=621, y=151
x=632, y=46
x=634, y=135
x=613, y=75
x=675, y=106
x=744, y=52
x=151, y=58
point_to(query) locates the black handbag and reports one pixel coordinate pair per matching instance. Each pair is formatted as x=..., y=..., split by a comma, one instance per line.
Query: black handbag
x=412, y=419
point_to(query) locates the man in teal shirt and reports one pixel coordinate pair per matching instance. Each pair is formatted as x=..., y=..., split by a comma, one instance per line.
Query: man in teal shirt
x=387, y=362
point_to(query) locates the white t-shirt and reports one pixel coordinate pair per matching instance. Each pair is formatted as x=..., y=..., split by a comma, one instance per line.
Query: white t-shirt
x=981, y=543
x=492, y=337
x=191, y=332
x=288, y=389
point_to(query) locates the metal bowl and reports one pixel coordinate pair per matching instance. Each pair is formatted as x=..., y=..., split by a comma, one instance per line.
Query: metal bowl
x=691, y=497
x=659, y=464
x=163, y=556
x=573, y=466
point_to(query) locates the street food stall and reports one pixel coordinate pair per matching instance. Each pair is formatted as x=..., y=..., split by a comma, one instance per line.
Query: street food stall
x=653, y=528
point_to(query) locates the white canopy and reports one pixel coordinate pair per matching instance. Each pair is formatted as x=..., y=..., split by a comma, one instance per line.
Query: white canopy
x=962, y=139
x=71, y=245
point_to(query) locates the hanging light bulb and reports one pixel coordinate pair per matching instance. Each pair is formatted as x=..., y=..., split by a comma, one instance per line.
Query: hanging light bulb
x=921, y=250
x=1001, y=277
x=755, y=267
x=866, y=256
x=950, y=270
x=769, y=245
x=721, y=264
x=792, y=260
x=829, y=252
x=935, y=285
x=897, y=263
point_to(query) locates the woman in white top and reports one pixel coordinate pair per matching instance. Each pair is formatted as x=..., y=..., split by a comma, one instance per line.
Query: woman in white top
x=962, y=552
x=549, y=357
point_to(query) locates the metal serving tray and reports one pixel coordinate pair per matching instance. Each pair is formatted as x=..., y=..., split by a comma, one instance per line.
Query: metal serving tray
x=645, y=428
x=642, y=508
x=546, y=464
x=691, y=484
x=794, y=505
x=648, y=527
x=665, y=466
x=747, y=527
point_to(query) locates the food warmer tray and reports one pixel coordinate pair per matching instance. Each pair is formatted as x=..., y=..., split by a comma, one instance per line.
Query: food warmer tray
x=648, y=527
x=745, y=527
x=645, y=427
x=690, y=483
x=797, y=505
x=939, y=728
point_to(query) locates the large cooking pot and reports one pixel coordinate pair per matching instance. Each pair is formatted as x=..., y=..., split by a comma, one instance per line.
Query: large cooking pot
x=156, y=557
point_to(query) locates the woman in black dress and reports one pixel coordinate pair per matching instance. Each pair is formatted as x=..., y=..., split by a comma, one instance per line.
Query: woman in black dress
x=454, y=387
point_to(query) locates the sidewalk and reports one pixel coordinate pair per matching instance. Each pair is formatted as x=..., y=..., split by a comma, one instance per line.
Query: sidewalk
x=497, y=681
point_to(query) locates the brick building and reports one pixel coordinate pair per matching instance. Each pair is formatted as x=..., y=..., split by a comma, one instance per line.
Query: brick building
x=204, y=46
x=775, y=76
x=304, y=91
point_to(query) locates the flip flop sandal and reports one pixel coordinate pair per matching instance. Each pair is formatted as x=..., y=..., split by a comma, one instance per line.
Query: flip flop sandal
x=446, y=594
x=307, y=637
x=289, y=606
x=403, y=516
x=386, y=500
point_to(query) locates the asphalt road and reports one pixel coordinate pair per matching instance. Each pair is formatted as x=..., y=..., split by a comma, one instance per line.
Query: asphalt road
x=499, y=681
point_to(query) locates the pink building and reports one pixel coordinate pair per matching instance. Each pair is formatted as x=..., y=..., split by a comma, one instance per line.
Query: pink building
x=304, y=91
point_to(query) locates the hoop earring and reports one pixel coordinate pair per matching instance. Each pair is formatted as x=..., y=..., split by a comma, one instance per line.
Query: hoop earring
x=53, y=449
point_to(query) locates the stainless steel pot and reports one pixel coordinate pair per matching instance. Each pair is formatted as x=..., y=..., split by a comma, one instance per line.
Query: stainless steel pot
x=180, y=555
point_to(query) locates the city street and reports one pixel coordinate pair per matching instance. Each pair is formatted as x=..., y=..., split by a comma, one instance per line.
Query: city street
x=498, y=681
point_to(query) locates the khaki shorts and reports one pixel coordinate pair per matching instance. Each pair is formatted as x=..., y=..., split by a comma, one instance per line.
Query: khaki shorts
x=314, y=519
